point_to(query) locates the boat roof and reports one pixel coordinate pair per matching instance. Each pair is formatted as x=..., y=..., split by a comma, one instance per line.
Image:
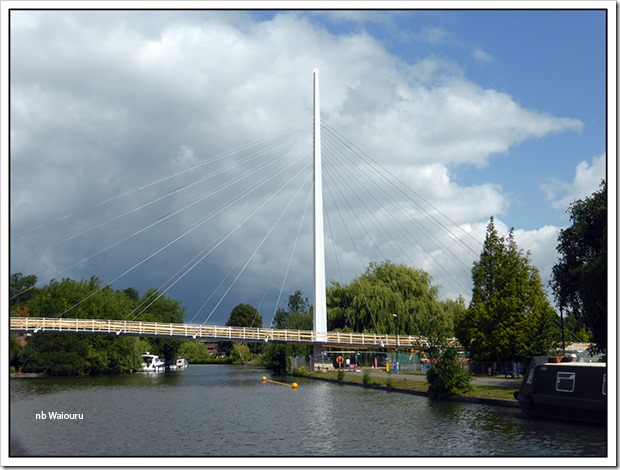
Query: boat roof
x=578, y=364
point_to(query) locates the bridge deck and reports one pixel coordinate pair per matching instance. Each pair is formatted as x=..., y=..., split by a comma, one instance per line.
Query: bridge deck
x=206, y=332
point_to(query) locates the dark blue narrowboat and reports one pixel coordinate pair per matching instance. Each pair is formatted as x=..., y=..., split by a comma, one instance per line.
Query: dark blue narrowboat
x=575, y=391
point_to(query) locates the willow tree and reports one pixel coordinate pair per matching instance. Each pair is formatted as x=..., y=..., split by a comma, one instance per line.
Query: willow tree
x=509, y=316
x=389, y=298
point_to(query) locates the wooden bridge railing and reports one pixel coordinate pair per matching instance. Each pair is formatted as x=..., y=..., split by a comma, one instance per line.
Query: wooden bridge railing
x=219, y=333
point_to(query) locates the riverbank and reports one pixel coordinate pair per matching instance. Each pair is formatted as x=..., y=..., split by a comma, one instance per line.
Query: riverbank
x=494, y=391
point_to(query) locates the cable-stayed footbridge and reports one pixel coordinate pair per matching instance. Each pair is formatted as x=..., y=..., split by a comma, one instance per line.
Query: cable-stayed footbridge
x=213, y=333
x=340, y=187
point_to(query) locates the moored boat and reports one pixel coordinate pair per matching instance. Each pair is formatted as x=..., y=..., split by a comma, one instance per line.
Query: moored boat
x=575, y=391
x=152, y=363
x=181, y=363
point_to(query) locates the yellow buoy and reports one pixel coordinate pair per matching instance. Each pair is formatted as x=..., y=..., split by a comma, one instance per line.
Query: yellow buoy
x=264, y=379
x=294, y=385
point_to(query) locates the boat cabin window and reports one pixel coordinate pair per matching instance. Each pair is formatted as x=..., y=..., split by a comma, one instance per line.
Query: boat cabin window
x=565, y=382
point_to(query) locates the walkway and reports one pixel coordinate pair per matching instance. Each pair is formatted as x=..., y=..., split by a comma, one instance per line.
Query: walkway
x=213, y=333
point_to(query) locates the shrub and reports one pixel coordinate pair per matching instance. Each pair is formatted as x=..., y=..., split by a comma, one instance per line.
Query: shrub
x=366, y=380
x=340, y=375
x=447, y=378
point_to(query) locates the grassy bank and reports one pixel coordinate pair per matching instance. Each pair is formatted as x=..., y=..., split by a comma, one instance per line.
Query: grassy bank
x=417, y=385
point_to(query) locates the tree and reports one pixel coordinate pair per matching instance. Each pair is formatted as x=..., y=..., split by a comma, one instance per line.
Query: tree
x=195, y=352
x=243, y=315
x=297, y=316
x=21, y=288
x=447, y=377
x=579, y=279
x=390, y=298
x=74, y=354
x=509, y=316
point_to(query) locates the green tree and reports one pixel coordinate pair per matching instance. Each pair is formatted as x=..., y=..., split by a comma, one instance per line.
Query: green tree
x=73, y=354
x=243, y=315
x=157, y=307
x=21, y=288
x=447, y=377
x=195, y=352
x=390, y=298
x=297, y=316
x=509, y=316
x=579, y=279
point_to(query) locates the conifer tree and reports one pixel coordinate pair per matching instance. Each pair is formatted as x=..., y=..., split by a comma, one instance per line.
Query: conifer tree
x=509, y=317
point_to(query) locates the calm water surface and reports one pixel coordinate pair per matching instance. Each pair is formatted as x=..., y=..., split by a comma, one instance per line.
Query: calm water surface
x=227, y=411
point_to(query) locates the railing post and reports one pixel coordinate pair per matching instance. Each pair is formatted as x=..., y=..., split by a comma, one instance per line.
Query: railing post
x=170, y=329
x=156, y=329
x=186, y=330
x=93, y=326
x=140, y=328
x=109, y=325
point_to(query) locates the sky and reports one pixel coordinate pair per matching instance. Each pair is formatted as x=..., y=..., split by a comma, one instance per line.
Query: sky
x=134, y=136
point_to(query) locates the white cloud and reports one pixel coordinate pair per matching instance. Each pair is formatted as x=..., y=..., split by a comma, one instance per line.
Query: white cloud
x=433, y=35
x=482, y=56
x=588, y=177
x=103, y=102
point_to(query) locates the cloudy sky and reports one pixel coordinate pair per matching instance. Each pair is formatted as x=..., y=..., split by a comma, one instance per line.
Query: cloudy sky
x=172, y=149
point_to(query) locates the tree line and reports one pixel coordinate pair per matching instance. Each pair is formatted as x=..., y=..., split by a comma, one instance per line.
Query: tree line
x=77, y=354
x=509, y=317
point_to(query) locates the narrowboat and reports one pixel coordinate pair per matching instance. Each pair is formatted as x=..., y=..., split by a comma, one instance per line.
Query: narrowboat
x=575, y=391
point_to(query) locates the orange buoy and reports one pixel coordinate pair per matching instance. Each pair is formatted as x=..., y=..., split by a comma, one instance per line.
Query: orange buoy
x=294, y=385
x=264, y=379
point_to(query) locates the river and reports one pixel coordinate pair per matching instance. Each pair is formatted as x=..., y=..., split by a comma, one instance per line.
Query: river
x=227, y=411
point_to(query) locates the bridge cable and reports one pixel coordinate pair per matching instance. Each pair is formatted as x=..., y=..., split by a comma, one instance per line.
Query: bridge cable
x=194, y=227
x=158, y=199
x=295, y=128
x=360, y=153
x=288, y=266
x=220, y=242
x=162, y=219
x=258, y=247
x=345, y=178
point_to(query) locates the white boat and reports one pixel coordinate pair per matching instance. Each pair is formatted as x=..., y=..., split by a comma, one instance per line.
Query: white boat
x=152, y=363
x=181, y=363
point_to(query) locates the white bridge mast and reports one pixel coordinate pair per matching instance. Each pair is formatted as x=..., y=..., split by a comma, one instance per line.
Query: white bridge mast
x=320, y=308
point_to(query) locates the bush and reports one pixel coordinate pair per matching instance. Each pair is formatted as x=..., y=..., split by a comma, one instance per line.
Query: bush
x=366, y=380
x=447, y=378
x=340, y=375
x=301, y=372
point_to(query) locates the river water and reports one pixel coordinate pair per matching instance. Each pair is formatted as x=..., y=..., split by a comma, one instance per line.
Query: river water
x=227, y=411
